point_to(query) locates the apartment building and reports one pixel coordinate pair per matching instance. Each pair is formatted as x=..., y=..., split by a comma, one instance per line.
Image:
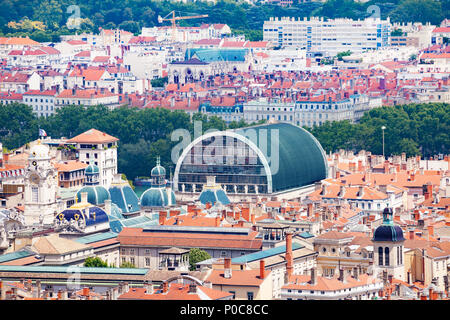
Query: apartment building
x=312, y=111
x=101, y=149
x=329, y=37
x=42, y=102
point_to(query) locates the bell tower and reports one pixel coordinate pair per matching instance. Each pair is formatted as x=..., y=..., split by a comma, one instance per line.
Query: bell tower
x=41, y=186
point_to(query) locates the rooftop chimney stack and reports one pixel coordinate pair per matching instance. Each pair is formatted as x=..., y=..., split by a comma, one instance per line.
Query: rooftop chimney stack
x=355, y=273
x=341, y=275
x=309, y=210
x=165, y=287
x=262, y=269
x=227, y=265
x=162, y=217
x=289, y=258
x=192, y=288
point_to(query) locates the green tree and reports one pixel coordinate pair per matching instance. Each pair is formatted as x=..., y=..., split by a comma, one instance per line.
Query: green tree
x=95, y=262
x=197, y=255
x=160, y=82
x=418, y=11
x=127, y=264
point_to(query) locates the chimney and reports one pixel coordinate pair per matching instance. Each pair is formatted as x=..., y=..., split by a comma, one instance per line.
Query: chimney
x=411, y=234
x=84, y=197
x=246, y=213
x=227, y=266
x=59, y=295
x=253, y=218
x=165, y=287
x=313, y=276
x=341, y=275
x=162, y=217
x=38, y=288
x=360, y=191
x=2, y=291
x=262, y=269
x=29, y=285
x=386, y=166
x=355, y=273
x=289, y=258
x=217, y=221
x=324, y=189
x=431, y=231
x=341, y=191
x=108, y=206
x=85, y=292
x=192, y=288
x=309, y=210
x=360, y=166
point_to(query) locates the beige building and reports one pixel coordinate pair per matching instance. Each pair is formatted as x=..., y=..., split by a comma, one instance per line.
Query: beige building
x=342, y=251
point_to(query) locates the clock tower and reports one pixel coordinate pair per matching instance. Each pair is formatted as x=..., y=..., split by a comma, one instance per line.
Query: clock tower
x=41, y=186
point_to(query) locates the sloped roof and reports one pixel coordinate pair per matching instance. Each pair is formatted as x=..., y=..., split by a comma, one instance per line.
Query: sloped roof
x=53, y=244
x=92, y=136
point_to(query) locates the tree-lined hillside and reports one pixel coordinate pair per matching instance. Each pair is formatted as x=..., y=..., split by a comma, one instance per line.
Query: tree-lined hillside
x=45, y=20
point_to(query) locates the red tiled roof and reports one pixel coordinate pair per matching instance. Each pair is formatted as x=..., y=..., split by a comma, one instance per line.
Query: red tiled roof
x=176, y=291
x=441, y=30
x=136, y=236
x=238, y=278
x=92, y=136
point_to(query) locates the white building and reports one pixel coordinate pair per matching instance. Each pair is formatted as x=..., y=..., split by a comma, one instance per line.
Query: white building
x=328, y=37
x=101, y=148
x=313, y=287
x=314, y=111
x=42, y=102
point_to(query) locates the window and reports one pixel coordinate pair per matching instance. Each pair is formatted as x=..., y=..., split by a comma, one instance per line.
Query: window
x=249, y=295
x=34, y=194
x=386, y=256
x=147, y=262
x=380, y=256
x=132, y=260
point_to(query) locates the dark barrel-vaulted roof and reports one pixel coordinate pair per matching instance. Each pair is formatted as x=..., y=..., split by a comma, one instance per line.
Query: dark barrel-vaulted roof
x=302, y=160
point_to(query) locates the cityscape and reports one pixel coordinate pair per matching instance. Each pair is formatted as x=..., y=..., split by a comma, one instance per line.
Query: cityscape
x=173, y=150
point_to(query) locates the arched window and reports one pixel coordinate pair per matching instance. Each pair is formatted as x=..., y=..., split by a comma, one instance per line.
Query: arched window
x=386, y=256
x=380, y=256
x=401, y=255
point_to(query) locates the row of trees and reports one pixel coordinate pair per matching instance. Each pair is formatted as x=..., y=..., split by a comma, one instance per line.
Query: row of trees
x=45, y=20
x=146, y=133
x=415, y=129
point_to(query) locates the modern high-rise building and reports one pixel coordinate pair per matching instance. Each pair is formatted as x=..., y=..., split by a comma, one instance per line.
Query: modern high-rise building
x=329, y=37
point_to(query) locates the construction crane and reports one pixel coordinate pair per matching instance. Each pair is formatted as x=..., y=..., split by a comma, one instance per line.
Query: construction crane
x=173, y=19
